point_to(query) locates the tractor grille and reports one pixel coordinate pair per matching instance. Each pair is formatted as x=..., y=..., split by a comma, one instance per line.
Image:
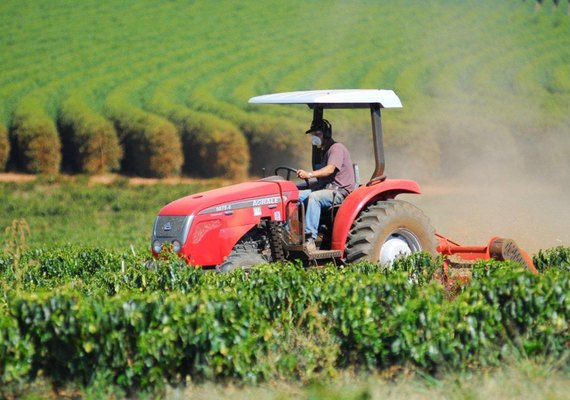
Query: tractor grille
x=172, y=227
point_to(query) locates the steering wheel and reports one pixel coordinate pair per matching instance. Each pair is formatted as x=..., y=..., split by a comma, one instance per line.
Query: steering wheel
x=290, y=170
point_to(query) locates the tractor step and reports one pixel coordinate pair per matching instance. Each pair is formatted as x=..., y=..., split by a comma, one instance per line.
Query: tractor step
x=315, y=256
x=323, y=254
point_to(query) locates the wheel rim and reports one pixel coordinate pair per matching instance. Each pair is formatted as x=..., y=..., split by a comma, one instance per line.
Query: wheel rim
x=399, y=243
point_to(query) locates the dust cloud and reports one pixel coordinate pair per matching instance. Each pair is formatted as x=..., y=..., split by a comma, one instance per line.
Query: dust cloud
x=483, y=178
x=488, y=145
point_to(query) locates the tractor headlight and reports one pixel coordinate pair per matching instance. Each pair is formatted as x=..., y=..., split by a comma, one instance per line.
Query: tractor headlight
x=176, y=246
x=170, y=231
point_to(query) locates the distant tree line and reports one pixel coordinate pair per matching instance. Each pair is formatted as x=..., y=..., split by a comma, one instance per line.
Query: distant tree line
x=556, y=4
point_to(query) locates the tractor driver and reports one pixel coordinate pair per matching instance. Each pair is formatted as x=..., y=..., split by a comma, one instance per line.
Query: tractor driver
x=335, y=179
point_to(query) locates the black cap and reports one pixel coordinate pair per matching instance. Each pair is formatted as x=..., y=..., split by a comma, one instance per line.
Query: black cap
x=315, y=127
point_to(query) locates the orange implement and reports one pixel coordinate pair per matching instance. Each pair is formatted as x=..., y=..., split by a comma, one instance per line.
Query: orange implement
x=500, y=249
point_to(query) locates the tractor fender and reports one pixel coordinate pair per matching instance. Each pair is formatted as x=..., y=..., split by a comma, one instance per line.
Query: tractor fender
x=213, y=241
x=356, y=201
x=229, y=237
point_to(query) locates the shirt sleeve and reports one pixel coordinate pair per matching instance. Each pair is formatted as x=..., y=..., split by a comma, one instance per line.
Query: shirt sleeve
x=335, y=156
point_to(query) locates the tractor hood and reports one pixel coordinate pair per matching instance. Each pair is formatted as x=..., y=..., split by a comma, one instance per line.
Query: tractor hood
x=241, y=195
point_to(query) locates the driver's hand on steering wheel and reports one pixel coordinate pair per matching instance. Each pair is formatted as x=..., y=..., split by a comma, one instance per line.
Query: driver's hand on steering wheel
x=301, y=173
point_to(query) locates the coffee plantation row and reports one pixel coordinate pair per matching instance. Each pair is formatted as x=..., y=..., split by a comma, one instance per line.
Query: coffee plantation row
x=77, y=316
x=160, y=88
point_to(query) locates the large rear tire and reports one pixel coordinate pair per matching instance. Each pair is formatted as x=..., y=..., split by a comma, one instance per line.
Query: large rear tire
x=387, y=230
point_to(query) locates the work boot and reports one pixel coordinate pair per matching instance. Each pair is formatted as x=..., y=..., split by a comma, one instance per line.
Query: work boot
x=310, y=245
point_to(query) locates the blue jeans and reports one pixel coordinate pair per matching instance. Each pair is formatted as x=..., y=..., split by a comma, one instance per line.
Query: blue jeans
x=314, y=202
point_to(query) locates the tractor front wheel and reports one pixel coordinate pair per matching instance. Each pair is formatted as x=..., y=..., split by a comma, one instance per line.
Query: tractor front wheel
x=250, y=251
x=387, y=230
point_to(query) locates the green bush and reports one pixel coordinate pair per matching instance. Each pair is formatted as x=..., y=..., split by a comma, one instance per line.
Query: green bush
x=212, y=147
x=90, y=141
x=142, y=339
x=534, y=310
x=16, y=354
x=4, y=147
x=442, y=78
x=151, y=144
x=273, y=140
x=98, y=272
x=35, y=137
x=82, y=314
x=558, y=257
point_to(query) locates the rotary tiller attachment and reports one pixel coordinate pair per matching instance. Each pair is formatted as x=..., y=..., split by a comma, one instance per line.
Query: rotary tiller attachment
x=458, y=259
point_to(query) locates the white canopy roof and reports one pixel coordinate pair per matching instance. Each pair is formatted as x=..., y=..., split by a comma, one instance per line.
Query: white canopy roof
x=346, y=97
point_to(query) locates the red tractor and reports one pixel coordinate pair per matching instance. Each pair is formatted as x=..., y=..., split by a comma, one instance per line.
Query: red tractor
x=263, y=221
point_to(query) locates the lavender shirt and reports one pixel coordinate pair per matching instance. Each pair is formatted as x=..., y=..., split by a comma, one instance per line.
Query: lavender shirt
x=343, y=176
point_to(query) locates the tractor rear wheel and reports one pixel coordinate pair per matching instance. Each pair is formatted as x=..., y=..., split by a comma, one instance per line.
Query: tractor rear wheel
x=387, y=230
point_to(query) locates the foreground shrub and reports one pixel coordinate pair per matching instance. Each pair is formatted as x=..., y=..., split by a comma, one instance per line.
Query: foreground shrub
x=557, y=257
x=143, y=340
x=98, y=272
x=534, y=311
x=16, y=354
x=86, y=314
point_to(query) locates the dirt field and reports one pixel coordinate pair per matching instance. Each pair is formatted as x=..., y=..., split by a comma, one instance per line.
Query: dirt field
x=535, y=216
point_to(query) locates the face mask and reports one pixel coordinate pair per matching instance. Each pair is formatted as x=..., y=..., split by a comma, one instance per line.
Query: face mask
x=316, y=141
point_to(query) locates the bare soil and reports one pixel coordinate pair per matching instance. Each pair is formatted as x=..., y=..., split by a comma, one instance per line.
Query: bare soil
x=106, y=179
x=535, y=216
x=15, y=177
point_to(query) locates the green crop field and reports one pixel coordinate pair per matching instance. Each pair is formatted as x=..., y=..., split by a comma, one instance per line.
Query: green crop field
x=116, y=216
x=82, y=311
x=158, y=88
